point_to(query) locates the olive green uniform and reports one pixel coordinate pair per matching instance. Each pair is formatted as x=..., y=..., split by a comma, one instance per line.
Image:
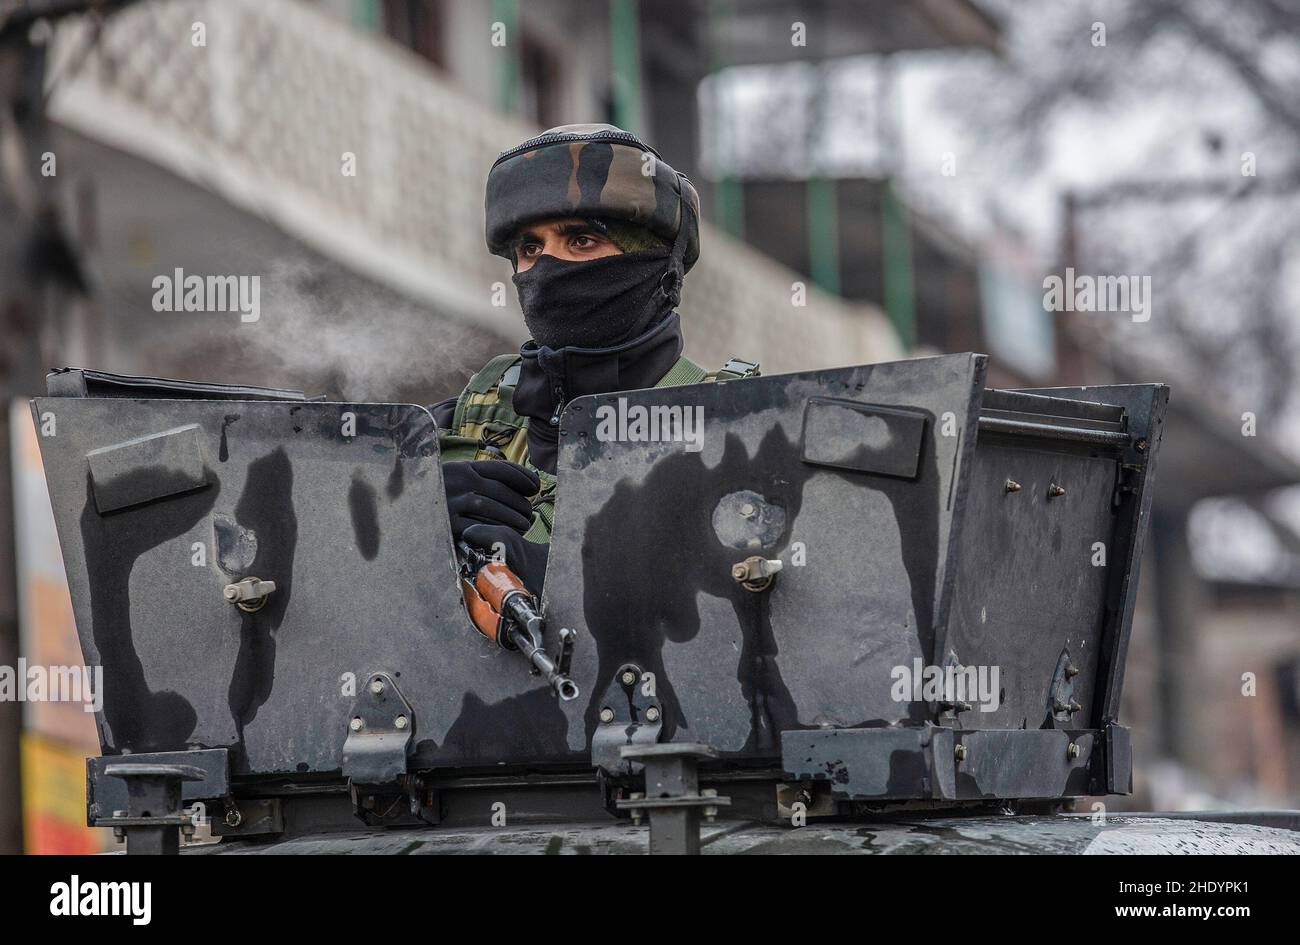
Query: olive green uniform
x=484, y=425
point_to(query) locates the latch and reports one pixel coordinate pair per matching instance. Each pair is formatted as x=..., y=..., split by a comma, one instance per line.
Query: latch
x=756, y=573
x=250, y=594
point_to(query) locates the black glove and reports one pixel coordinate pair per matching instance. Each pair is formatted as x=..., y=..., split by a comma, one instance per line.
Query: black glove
x=526, y=558
x=489, y=492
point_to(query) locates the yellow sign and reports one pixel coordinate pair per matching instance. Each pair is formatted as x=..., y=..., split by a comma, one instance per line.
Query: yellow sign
x=54, y=799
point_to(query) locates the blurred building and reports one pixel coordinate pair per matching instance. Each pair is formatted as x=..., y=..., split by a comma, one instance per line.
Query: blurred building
x=340, y=149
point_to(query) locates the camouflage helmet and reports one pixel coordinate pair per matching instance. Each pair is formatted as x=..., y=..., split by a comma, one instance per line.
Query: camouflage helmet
x=591, y=171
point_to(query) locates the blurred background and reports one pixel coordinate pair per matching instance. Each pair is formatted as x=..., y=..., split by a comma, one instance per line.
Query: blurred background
x=911, y=171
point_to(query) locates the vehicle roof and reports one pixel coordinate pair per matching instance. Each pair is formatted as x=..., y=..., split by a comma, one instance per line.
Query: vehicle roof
x=1270, y=833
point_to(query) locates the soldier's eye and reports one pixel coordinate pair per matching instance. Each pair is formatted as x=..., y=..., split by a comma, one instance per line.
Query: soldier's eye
x=583, y=241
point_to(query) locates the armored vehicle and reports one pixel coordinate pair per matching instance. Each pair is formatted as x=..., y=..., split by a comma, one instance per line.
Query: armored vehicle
x=881, y=600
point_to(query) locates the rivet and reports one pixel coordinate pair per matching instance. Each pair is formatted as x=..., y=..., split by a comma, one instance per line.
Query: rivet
x=1012, y=486
x=607, y=714
x=652, y=714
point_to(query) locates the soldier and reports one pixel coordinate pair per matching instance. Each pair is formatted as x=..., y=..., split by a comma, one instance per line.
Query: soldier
x=601, y=232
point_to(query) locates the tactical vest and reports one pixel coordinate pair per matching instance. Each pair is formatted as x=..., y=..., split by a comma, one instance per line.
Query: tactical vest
x=485, y=426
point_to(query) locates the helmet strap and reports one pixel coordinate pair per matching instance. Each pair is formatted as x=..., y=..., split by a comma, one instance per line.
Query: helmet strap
x=671, y=284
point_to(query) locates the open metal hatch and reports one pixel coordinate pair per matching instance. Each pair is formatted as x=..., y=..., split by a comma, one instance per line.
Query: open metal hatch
x=748, y=565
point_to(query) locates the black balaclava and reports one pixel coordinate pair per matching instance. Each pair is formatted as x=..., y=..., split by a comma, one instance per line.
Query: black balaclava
x=598, y=326
x=549, y=378
x=595, y=303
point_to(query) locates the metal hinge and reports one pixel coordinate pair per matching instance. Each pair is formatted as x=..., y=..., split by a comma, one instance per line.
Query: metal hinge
x=380, y=727
x=1126, y=479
